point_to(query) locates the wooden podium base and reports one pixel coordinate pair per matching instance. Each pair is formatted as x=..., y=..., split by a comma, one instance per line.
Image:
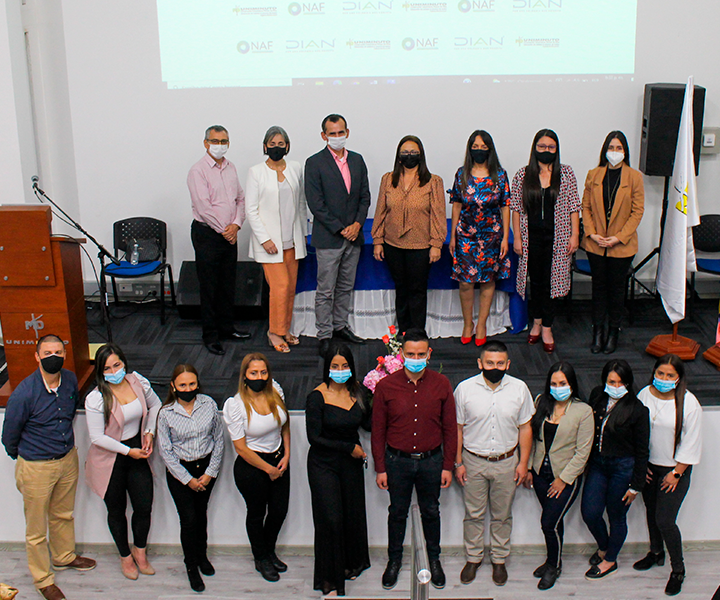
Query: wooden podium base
x=683, y=347
x=84, y=382
x=713, y=355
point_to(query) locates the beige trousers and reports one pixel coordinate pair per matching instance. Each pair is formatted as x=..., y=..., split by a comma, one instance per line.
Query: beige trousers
x=488, y=483
x=48, y=489
x=282, y=279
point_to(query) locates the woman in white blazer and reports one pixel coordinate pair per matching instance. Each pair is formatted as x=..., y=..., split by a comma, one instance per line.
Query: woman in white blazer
x=277, y=212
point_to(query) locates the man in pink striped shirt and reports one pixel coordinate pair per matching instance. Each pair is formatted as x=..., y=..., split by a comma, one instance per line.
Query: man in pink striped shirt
x=218, y=205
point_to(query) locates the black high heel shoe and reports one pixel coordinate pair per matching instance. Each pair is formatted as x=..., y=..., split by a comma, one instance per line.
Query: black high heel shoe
x=651, y=559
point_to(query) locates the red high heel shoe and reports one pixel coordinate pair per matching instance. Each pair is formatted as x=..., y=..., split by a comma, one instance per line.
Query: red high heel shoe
x=533, y=339
x=480, y=342
x=466, y=340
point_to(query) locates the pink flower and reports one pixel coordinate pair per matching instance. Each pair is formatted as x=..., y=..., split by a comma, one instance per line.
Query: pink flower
x=372, y=378
x=393, y=363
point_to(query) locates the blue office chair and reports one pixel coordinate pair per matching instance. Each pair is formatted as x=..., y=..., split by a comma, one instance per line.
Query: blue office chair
x=706, y=238
x=151, y=237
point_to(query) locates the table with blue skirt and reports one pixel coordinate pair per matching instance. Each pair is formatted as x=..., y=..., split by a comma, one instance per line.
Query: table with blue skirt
x=373, y=307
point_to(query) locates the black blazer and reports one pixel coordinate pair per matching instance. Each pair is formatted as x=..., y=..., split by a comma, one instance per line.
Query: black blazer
x=629, y=437
x=329, y=201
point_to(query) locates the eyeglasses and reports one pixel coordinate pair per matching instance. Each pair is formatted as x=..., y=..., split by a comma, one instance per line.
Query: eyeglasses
x=544, y=147
x=409, y=154
x=218, y=142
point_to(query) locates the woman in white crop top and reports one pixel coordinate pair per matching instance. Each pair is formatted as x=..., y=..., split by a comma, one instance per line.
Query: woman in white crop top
x=121, y=415
x=258, y=424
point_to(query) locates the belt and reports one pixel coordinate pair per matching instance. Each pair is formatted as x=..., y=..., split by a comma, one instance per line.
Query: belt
x=496, y=458
x=414, y=455
x=203, y=224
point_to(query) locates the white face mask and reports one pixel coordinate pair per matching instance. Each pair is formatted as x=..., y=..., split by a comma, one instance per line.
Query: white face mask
x=217, y=151
x=337, y=143
x=615, y=158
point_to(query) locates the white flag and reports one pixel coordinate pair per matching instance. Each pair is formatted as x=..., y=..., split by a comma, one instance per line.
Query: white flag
x=677, y=253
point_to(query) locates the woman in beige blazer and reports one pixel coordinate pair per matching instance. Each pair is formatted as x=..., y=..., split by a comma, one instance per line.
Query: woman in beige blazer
x=277, y=212
x=612, y=207
x=563, y=429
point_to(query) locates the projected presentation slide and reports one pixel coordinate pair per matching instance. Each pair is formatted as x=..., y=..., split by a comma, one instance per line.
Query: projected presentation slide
x=226, y=43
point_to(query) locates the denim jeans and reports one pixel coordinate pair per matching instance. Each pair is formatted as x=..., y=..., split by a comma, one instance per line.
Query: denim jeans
x=403, y=475
x=608, y=478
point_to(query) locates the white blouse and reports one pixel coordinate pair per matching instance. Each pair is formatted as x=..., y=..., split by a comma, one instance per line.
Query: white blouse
x=262, y=433
x=662, y=430
x=287, y=213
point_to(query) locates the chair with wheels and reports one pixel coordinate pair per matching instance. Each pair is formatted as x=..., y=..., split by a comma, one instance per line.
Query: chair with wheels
x=706, y=238
x=150, y=235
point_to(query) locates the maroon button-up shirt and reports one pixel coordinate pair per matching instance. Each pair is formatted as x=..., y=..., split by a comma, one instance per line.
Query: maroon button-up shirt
x=414, y=417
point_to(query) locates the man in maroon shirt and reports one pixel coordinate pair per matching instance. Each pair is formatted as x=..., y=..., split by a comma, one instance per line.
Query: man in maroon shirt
x=414, y=438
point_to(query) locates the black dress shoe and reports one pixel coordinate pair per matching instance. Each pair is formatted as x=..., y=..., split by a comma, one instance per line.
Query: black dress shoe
x=390, y=576
x=196, y=582
x=650, y=560
x=612, y=340
x=549, y=577
x=598, y=342
x=674, y=584
x=595, y=559
x=467, y=575
x=347, y=334
x=437, y=575
x=324, y=347
x=267, y=570
x=237, y=335
x=279, y=565
x=594, y=572
x=215, y=348
x=540, y=571
x=206, y=567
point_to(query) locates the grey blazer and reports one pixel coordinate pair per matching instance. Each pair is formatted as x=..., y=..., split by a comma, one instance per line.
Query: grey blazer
x=333, y=208
x=571, y=447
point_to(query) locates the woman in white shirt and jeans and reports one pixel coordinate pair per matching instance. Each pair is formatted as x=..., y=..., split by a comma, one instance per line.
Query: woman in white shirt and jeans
x=675, y=446
x=259, y=428
x=121, y=415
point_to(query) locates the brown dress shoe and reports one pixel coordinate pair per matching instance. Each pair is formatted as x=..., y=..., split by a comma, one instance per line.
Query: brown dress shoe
x=468, y=572
x=500, y=575
x=51, y=592
x=81, y=563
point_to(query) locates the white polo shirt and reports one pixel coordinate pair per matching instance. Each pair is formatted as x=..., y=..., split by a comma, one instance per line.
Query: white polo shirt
x=490, y=418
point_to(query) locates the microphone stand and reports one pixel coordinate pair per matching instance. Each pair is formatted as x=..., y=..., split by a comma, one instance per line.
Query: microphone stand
x=102, y=255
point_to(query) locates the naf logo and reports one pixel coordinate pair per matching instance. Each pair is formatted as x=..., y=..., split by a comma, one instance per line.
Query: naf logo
x=420, y=43
x=255, y=47
x=537, y=5
x=306, y=8
x=476, y=6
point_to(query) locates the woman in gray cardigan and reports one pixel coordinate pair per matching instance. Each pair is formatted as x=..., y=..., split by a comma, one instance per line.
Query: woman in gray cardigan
x=563, y=430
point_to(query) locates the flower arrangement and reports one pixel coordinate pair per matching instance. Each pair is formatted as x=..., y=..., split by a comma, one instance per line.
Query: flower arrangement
x=391, y=362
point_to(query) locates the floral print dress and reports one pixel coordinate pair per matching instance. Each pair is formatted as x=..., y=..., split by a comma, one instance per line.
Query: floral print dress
x=479, y=230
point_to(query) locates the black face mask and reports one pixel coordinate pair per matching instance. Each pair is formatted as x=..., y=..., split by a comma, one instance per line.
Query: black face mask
x=546, y=157
x=186, y=395
x=276, y=153
x=52, y=364
x=479, y=156
x=256, y=385
x=409, y=161
x=494, y=375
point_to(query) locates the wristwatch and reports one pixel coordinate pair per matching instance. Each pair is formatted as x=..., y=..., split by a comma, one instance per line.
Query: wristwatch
x=458, y=465
x=676, y=475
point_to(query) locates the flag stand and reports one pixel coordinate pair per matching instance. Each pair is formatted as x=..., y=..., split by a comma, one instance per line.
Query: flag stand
x=712, y=355
x=683, y=347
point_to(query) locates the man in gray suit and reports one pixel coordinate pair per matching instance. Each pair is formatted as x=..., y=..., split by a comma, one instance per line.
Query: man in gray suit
x=338, y=195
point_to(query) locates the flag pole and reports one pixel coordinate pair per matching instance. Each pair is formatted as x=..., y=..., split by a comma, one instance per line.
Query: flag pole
x=685, y=348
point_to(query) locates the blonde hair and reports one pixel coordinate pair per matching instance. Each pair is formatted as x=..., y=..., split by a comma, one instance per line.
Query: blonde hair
x=275, y=402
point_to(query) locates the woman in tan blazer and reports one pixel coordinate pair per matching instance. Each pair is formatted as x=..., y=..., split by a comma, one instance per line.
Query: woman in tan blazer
x=563, y=429
x=612, y=207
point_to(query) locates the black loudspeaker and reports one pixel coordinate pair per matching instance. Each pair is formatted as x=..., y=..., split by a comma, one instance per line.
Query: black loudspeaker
x=662, y=110
x=251, y=294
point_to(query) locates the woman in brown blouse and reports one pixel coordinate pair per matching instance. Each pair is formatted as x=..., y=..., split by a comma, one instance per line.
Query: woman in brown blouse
x=409, y=229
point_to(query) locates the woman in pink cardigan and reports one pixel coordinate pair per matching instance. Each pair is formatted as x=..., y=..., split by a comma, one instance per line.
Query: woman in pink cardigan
x=121, y=414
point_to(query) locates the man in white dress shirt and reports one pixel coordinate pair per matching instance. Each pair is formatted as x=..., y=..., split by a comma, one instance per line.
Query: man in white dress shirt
x=493, y=416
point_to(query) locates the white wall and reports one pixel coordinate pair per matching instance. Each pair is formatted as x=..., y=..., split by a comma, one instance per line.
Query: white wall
x=698, y=519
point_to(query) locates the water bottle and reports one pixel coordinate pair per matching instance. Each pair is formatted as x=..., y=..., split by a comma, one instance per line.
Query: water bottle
x=135, y=254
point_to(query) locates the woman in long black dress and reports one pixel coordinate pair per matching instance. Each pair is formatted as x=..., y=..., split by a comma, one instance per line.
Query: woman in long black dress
x=335, y=411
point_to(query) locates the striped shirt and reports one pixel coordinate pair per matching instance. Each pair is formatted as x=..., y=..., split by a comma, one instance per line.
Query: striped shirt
x=189, y=437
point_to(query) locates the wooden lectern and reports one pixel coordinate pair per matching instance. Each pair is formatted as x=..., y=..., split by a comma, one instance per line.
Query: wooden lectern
x=41, y=292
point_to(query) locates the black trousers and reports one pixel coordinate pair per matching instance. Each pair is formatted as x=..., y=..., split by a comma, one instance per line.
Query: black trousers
x=267, y=502
x=410, y=270
x=609, y=277
x=130, y=477
x=215, y=261
x=540, y=253
x=404, y=474
x=192, y=510
x=662, y=510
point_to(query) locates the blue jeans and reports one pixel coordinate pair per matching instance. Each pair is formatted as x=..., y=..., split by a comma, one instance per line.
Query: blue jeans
x=425, y=476
x=608, y=478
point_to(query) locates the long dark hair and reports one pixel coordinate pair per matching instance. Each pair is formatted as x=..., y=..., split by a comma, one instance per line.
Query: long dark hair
x=676, y=363
x=423, y=174
x=493, y=162
x=177, y=371
x=610, y=137
x=531, y=193
x=352, y=384
x=546, y=403
x=625, y=405
x=101, y=358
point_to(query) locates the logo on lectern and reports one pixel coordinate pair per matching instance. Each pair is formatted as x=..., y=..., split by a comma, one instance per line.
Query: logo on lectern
x=35, y=323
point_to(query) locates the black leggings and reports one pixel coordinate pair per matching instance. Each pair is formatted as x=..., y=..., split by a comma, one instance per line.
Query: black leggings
x=130, y=477
x=267, y=502
x=410, y=270
x=609, y=276
x=540, y=254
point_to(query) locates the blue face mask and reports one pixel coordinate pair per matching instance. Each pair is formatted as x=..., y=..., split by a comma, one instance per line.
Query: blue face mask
x=115, y=378
x=415, y=365
x=561, y=393
x=340, y=376
x=615, y=392
x=663, y=386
